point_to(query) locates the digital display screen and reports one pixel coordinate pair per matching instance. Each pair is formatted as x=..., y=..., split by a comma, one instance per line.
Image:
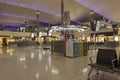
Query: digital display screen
x=40, y=34
x=50, y=33
x=98, y=25
x=32, y=35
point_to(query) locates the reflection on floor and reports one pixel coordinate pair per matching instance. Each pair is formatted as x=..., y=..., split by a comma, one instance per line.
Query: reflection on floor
x=105, y=76
x=31, y=63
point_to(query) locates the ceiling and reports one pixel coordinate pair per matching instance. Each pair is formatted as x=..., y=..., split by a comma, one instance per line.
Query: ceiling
x=16, y=11
x=109, y=9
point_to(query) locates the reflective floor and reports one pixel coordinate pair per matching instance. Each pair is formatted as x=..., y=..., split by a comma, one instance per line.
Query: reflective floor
x=31, y=63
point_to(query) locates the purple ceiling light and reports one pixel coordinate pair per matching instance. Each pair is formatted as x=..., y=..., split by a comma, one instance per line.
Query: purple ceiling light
x=95, y=8
x=23, y=17
x=12, y=15
x=6, y=21
x=44, y=10
x=1, y=1
x=35, y=7
x=78, y=21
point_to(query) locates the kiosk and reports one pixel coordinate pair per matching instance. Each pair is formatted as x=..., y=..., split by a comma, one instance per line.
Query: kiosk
x=72, y=48
x=80, y=49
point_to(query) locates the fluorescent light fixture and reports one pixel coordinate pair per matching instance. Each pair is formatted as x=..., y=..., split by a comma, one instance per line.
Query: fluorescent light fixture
x=32, y=35
x=109, y=27
x=40, y=34
x=37, y=12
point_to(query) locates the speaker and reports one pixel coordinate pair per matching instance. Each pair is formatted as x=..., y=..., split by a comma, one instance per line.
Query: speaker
x=92, y=25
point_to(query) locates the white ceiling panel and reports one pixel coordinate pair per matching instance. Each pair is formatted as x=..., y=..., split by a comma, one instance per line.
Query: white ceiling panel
x=77, y=11
x=26, y=13
x=1, y=1
x=11, y=18
x=13, y=2
x=50, y=9
x=48, y=6
x=107, y=8
x=26, y=3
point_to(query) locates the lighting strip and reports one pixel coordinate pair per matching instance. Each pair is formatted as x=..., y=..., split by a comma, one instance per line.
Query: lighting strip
x=23, y=17
x=6, y=21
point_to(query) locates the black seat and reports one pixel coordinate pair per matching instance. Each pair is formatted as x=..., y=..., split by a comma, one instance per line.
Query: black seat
x=110, y=44
x=105, y=57
x=104, y=61
x=117, y=69
x=99, y=66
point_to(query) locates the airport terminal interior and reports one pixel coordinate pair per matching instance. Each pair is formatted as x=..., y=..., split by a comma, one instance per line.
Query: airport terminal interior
x=59, y=40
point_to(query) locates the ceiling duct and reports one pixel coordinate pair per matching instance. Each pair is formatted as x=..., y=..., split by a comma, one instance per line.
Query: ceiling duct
x=65, y=15
x=62, y=10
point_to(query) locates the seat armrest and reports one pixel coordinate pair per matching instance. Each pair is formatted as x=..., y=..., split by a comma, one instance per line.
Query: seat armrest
x=91, y=61
x=113, y=63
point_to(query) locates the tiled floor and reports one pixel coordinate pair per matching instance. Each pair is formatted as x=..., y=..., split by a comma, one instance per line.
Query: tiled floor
x=30, y=63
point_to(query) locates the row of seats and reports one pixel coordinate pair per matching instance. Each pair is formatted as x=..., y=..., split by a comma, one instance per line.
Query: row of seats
x=106, y=60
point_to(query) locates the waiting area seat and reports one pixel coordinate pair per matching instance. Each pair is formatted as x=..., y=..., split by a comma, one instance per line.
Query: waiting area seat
x=106, y=60
x=27, y=43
